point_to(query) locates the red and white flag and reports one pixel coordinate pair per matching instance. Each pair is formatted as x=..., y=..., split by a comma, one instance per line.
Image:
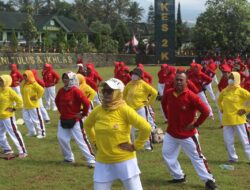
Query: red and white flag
x=134, y=41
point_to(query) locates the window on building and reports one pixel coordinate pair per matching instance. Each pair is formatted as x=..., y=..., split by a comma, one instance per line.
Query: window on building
x=8, y=36
x=20, y=36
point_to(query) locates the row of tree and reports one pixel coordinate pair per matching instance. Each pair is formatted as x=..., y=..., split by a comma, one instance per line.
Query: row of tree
x=223, y=26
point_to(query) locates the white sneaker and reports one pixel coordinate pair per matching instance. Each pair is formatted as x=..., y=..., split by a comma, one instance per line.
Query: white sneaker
x=6, y=152
x=91, y=164
x=40, y=136
x=22, y=155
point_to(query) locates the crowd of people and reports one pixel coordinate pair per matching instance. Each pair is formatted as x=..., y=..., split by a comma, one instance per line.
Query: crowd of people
x=110, y=120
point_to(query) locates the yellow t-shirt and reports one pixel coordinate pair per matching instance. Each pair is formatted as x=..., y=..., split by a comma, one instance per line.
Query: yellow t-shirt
x=108, y=129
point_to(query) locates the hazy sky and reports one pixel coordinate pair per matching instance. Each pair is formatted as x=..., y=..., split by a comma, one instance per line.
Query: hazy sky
x=190, y=9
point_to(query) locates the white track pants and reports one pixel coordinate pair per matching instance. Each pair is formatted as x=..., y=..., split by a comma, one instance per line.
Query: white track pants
x=3, y=139
x=210, y=90
x=10, y=126
x=161, y=90
x=144, y=113
x=133, y=183
x=217, y=106
x=43, y=110
x=243, y=133
x=80, y=137
x=50, y=94
x=215, y=79
x=204, y=99
x=170, y=150
x=33, y=120
x=161, y=87
x=97, y=99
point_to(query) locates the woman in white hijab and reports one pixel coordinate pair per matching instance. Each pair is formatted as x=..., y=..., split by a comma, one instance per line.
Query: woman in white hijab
x=72, y=106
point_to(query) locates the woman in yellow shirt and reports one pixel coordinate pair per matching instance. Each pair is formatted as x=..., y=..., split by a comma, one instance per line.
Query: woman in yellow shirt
x=231, y=102
x=31, y=93
x=108, y=127
x=9, y=98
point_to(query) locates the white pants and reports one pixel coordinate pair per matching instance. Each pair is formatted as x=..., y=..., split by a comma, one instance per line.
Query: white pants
x=33, y=120
x=3, y=140
x=204, y=99
x=171, y=149
x=79, y=135
x=150, y=117
x=10, y=126
x=161, y=90
x=217, y=106
x=144, y=113
x=161, y=87
x=210, y=90
x=50, y=94
x=133, y=183
x=243, y=133
x=97, y=99
x=17, y=90
x=215, y=79
x=43, y=110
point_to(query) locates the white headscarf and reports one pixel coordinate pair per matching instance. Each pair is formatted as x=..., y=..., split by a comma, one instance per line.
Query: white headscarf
x=73, y=80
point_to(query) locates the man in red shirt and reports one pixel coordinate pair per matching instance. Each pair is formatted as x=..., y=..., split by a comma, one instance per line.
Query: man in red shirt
x=50, y=78
x=181, y=105
x=200, y=80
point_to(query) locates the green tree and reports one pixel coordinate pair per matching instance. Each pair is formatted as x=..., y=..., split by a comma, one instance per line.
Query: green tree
x=98, y=41
x=21, y=5
x=82, y=8
x=38, y=5
x=151, y=15
x=72, y=42
x=6, y=6
x=135, y=12
x=14, y=41
x=29, y=29
x=84, y=45
x=121, y=7
x=121, y=34
x=225, y=24
x=47, y=42
x=108, y=45
x=179, y=28
x=99, y=27
x=61, y=41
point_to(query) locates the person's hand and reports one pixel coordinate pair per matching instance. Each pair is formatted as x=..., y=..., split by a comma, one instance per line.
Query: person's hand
x=127, y=146
x=10, y=109
x=241, y=112
x=33, y=98
x=190, y=127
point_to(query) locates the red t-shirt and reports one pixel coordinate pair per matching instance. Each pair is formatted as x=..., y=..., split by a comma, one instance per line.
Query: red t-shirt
x=181, y=111
x=69, y=103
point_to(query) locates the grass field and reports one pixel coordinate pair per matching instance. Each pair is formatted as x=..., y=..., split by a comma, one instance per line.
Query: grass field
x=43, y=168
